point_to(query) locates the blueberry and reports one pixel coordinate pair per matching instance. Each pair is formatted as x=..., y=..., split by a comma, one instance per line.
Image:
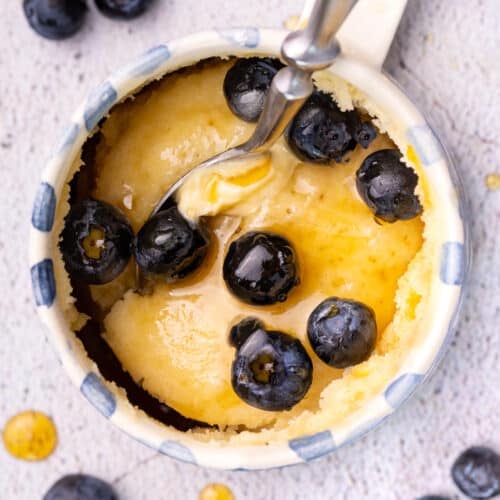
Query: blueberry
x=342, y=332
x=321, y=132
x=123, y=9
x=387, y=186
x=272, y=371
x=260, y=268
x=55, y=19
x=80, y=487
x=246, y=85
x=95, y=242
x=170, y=246
x=477, y=472
x=365, y=134
x=242, y=330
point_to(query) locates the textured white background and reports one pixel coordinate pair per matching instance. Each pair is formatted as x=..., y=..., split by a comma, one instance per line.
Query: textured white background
x=447, y=56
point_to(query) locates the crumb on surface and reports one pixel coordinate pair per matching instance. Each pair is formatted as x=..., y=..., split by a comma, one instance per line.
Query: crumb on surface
x=492, y=181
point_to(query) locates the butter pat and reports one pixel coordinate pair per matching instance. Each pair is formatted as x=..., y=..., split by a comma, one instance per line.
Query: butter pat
x=236, y=187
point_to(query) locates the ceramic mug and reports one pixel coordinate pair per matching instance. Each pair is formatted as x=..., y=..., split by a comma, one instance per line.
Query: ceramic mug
x=359, y=64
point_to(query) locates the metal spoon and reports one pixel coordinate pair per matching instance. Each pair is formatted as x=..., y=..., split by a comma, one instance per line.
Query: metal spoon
x=304, y=51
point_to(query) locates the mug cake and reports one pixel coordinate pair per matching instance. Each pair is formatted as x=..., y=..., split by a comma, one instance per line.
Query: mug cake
x=278, y=294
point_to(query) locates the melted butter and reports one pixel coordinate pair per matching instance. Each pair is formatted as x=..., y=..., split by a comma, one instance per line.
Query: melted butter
x=175, y=341
x=219, y=188
x=250, y=177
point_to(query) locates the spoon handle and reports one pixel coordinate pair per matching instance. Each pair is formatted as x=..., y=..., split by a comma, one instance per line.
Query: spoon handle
x=326, y=18
x=315, y=47
x=304, y=51
x=289, y=90
x=368, y=31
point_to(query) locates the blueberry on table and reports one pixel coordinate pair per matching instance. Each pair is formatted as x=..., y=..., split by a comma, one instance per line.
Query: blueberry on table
x=80, y=487
x=477, y=472
x=272, y=371
x=260, y=268
x=387, y=186
x=342, y=332
x=246, y=85
x=242, y=330
x=123, y=9
x=170, y=246
x=95, y=242
x=55, y=19
x=321, y=132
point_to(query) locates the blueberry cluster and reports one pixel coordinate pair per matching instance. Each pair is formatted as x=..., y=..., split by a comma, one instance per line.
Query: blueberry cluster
x=59, y=19
x=260, y=268
x=322, y=133
x=97, y=242
x=272, y=371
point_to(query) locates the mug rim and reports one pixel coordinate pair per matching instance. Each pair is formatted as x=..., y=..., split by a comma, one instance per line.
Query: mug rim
x=111, y=400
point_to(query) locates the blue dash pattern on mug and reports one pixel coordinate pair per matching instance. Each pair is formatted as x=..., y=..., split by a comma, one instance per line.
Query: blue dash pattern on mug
x=314, y=446
x=44, y=208
x=241, y=37
x=399, y=389
x=98, y=104
x=69, y=137
x=43, y=283
x=452, y=270
x=177, y=450
x=149, y=61
x=98, y=394
x=425, y=143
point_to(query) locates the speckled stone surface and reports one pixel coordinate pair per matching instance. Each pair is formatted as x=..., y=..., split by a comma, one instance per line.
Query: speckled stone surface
x=446, y=55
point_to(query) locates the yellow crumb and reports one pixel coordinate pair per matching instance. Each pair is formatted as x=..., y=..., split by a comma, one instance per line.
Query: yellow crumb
x=294, y=23
x=30, y=435
x=492, y=181
x=216, y=491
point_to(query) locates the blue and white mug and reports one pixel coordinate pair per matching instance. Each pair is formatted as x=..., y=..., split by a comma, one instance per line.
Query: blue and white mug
x=360, y=65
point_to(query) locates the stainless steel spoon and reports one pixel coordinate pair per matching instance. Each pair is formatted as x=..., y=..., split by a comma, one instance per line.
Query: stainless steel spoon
x=304, y=51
